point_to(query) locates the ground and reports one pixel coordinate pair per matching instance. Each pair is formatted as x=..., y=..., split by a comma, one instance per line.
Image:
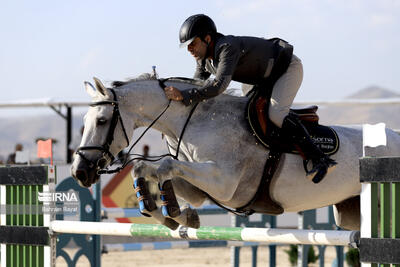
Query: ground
x=209, y=257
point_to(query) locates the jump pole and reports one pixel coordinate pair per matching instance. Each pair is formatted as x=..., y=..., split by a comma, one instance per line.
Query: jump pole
x=162, y=245
x=265, y=235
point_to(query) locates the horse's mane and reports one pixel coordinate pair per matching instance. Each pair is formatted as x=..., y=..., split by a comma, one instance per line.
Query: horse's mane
x=141, y=77
x=149, y=76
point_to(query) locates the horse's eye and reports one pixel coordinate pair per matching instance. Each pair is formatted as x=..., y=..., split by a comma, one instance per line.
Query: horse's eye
x=101, y=121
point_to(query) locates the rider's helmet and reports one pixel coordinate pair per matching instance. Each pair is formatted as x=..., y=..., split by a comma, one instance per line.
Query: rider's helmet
x=196, y=26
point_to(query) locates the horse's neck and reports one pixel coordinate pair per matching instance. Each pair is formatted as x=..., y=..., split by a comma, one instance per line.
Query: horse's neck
x=145, y=100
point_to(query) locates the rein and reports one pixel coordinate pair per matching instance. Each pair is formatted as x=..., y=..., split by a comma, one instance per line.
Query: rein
x=110, y=136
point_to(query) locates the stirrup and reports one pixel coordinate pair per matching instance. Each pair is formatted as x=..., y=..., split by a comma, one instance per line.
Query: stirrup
x=321, y=167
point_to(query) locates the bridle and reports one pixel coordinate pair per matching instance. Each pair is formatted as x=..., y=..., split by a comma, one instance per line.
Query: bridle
x=105, y=148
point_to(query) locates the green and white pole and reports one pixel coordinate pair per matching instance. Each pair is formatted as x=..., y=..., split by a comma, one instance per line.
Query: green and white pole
x=264, y=235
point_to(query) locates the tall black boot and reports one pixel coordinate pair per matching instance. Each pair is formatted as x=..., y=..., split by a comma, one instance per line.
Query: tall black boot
x=293, y=129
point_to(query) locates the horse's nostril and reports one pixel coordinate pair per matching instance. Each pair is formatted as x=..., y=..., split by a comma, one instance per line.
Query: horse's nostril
x=102, y=163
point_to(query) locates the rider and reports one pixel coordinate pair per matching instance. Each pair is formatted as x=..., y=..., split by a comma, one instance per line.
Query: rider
x=257, y=61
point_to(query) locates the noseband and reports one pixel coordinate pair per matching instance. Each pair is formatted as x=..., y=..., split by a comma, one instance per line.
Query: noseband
x=105, y=148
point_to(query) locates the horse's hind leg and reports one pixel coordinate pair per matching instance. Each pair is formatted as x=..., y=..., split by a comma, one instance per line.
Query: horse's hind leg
x=347, y=213
x=197, y=175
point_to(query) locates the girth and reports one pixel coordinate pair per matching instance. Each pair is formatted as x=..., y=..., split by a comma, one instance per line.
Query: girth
x=262, y=202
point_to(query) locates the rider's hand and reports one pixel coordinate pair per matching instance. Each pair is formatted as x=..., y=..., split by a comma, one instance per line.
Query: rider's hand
x=173, y=93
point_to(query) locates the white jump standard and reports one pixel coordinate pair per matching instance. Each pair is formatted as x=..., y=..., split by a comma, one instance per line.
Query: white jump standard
x=380, y=177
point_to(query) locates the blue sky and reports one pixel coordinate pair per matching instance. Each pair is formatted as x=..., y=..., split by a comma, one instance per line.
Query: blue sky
x=48, y=48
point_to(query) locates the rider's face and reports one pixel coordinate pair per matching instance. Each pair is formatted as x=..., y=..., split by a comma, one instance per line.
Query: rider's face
x=198, y=48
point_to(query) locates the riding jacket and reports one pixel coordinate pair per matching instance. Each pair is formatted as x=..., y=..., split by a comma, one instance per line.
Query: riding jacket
x=244, y=59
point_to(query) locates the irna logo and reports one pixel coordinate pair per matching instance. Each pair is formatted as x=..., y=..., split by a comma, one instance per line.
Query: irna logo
x=57, y=197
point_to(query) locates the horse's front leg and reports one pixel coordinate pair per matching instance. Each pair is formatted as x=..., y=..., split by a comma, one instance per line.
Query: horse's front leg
x=203, y=177
x=147, y=205
x=170, y=214
x=188, y=216
x=185, y=216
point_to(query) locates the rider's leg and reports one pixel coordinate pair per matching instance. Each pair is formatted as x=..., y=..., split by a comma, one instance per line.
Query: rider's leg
x=283, y=93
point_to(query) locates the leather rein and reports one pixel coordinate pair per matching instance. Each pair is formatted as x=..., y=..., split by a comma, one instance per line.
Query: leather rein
x=105, y=148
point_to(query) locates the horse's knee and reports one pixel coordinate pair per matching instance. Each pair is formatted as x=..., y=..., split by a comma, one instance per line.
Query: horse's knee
x=347, y=213
x=165, y=171
x=143, y=169
x=138, y=169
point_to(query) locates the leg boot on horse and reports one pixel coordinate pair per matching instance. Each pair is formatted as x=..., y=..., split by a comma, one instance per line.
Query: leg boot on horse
x=293, y=129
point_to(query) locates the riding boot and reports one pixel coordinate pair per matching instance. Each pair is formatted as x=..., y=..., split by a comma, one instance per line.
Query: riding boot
x=293, y=129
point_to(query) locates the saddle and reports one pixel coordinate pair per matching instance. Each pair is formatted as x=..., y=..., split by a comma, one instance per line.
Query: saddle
x=268, y=135
x=266, y=132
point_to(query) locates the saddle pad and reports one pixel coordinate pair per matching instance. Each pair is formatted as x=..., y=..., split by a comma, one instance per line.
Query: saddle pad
x=324, y=137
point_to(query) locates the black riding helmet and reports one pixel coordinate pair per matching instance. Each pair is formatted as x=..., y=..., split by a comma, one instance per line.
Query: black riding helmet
x=196, y=26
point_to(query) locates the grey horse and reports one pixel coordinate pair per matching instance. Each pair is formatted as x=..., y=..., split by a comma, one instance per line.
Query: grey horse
x=218, y=156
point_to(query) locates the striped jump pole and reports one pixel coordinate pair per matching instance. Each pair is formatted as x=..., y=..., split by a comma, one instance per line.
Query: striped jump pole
x=265, y=235
x=176, y=244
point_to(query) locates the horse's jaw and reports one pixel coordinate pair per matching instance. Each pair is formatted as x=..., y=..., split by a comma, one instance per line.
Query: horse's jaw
x=83, y=174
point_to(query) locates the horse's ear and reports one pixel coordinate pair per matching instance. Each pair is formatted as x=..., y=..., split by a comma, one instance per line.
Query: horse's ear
x=100, y=87
x=90, y=89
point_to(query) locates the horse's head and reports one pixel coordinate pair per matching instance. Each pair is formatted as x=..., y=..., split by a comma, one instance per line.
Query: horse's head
x=105, y=134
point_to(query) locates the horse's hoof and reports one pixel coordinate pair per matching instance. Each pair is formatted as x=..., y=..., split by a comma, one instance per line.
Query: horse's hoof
x=193, y=219
x=171, y=224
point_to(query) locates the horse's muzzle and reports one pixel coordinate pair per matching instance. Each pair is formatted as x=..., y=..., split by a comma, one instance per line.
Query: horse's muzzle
x=84, y=175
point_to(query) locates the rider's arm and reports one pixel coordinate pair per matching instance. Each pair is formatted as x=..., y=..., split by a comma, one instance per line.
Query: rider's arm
x=201, y=72
x=228, y=58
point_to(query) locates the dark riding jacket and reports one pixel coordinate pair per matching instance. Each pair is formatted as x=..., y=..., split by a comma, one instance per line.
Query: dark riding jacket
x=248, y=60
